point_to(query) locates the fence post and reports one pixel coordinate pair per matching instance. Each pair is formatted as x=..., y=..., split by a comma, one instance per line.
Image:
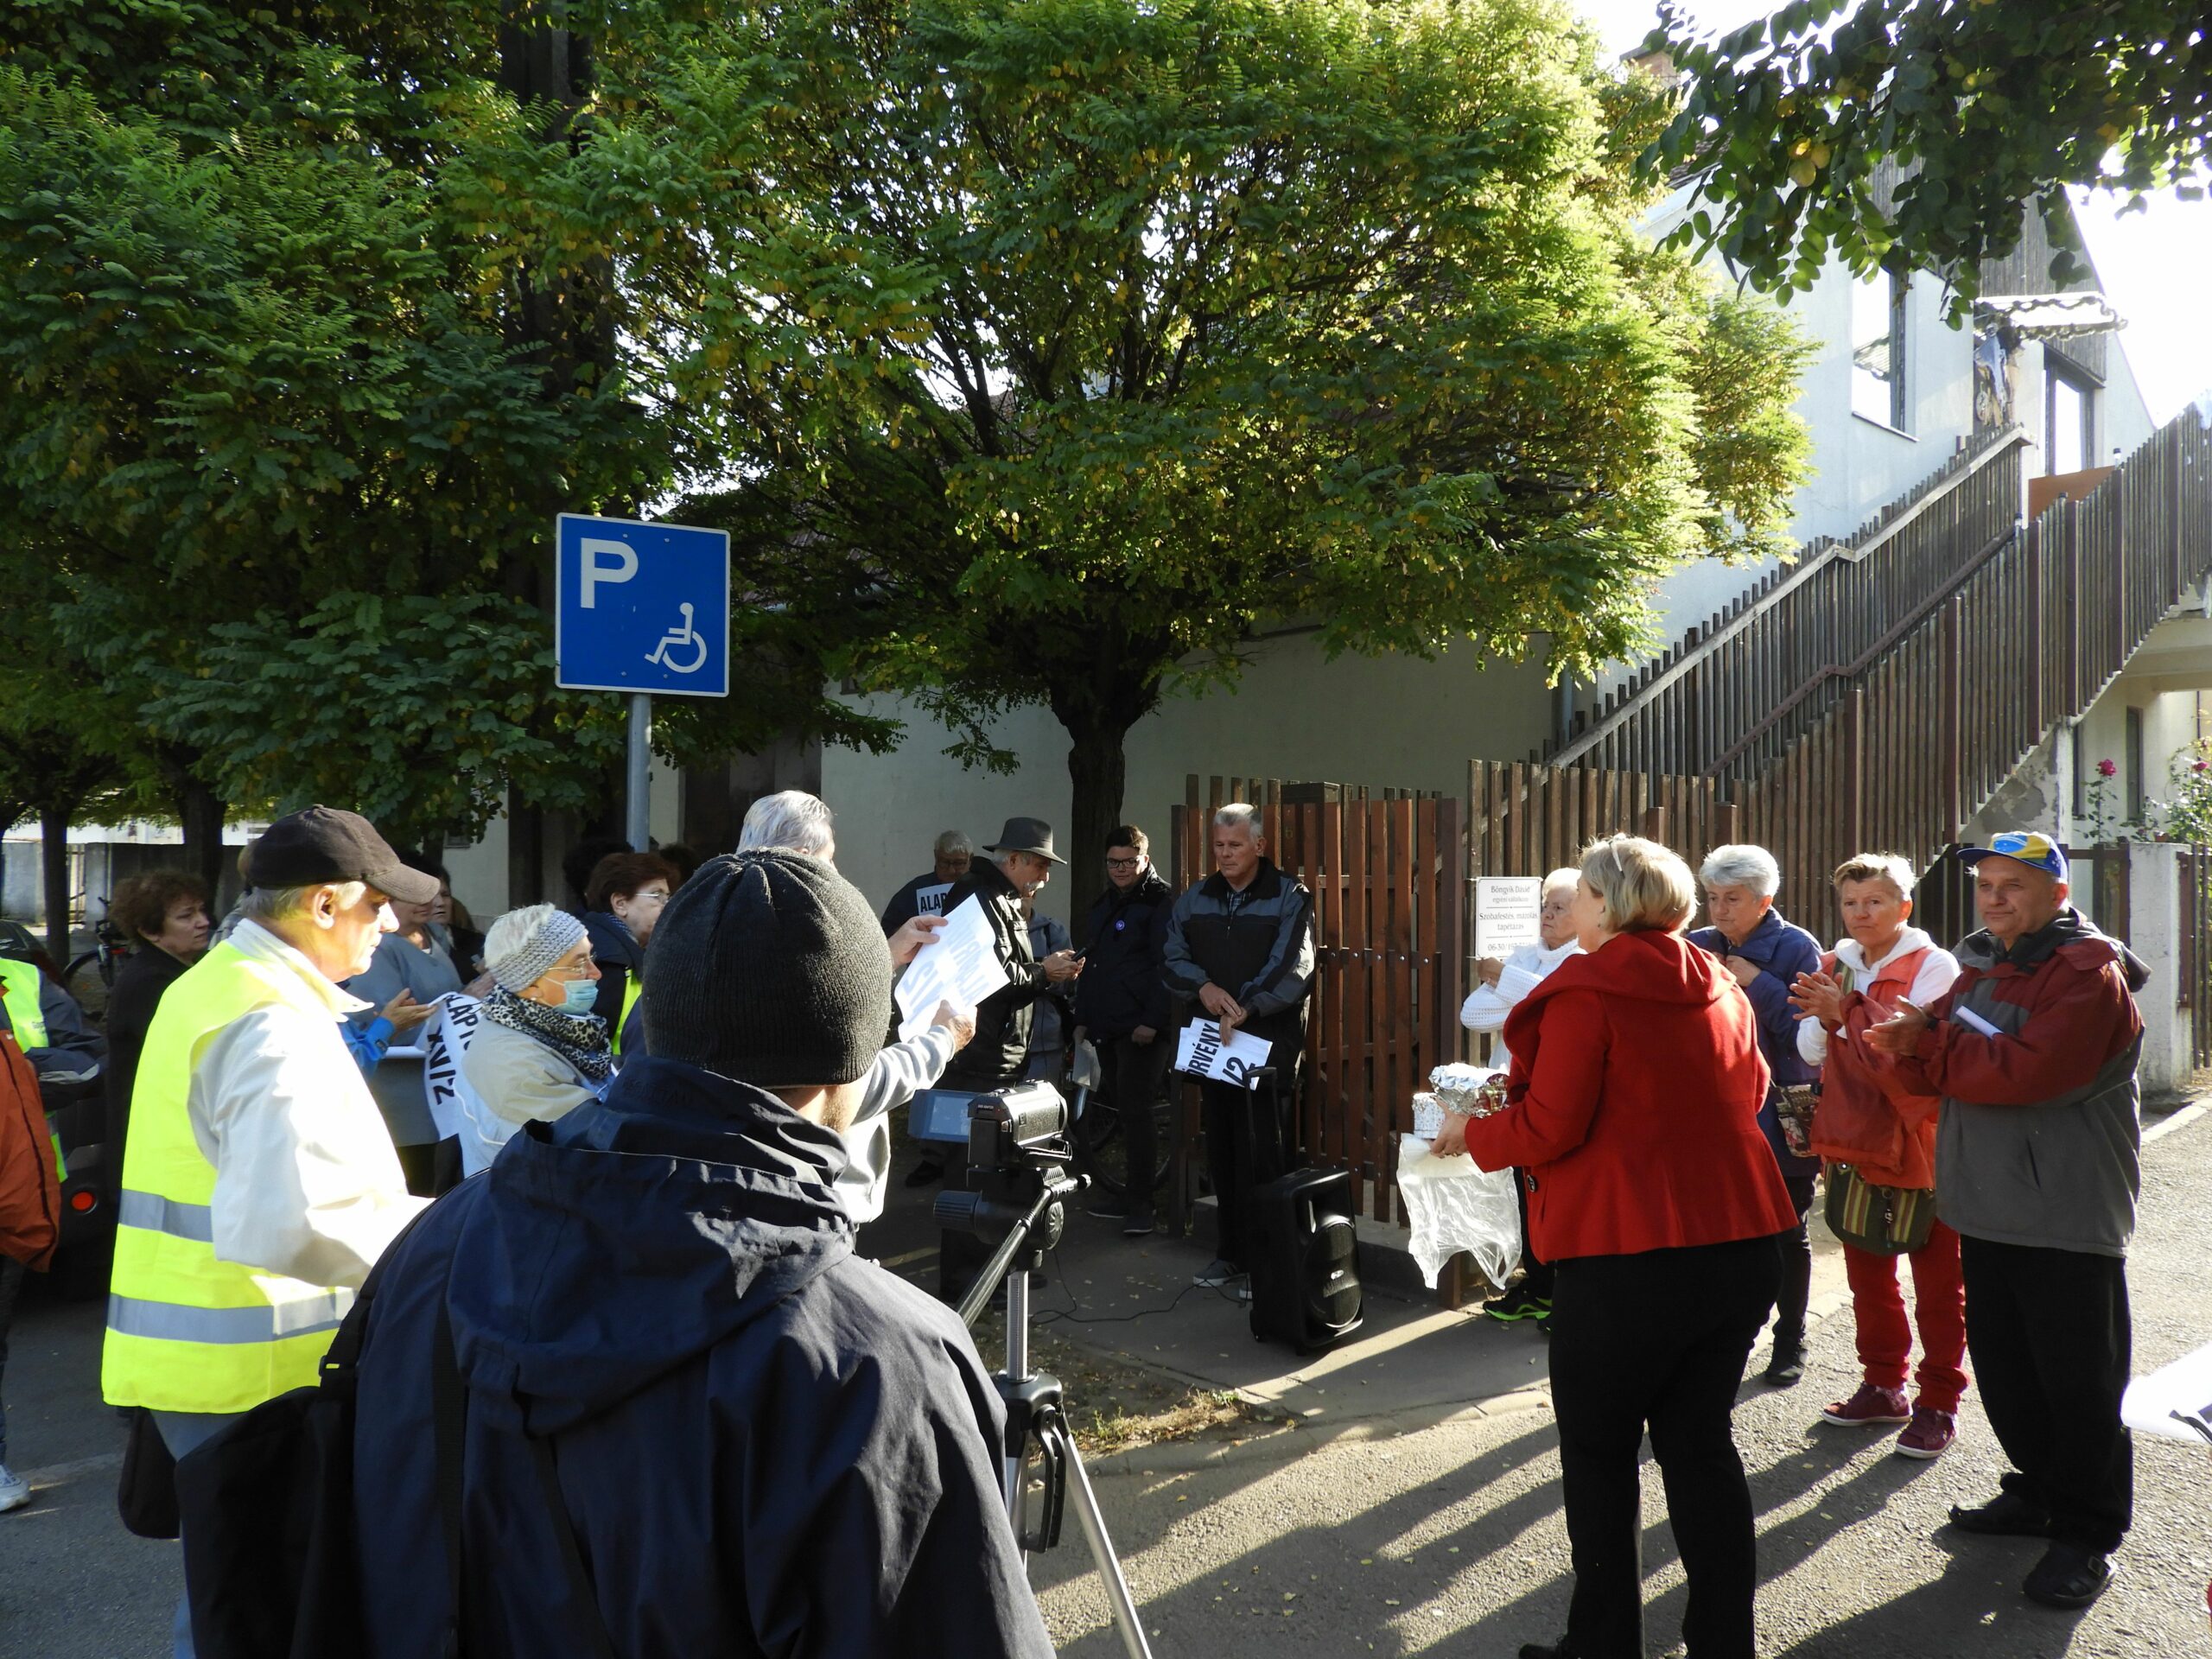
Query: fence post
x=2033, y=554
x=2070, y=607
x=1948, y=758
x=1854, y=767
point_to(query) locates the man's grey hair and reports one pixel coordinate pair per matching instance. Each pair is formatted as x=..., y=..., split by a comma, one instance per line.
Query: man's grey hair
x=281, y=903
x=954, y=844
x=789, y=821
x=1239, y=814
x=1742, y=865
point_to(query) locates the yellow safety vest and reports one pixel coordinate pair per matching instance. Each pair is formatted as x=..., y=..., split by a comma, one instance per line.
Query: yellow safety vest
x=185, y=1331
x=630, y=993
x=19, y=987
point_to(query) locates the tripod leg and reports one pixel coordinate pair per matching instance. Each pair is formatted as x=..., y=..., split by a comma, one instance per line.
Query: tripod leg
x=1118, y=1599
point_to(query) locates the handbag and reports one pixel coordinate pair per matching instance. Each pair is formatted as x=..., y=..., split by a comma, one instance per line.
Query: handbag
x=145, y=1497
x=1882, y=1220
x=1793, y=1104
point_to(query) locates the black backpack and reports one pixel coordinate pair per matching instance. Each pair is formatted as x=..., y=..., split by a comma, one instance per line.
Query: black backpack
x=267, y=1508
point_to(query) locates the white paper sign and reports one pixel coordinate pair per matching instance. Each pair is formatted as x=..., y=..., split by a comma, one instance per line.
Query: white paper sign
x=2185, y=1386
x=1204, y=1052
x=959, y=965
x=446, y=1037
x=1509, y=913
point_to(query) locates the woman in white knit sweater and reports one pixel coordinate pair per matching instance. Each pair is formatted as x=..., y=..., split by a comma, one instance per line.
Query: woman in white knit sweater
x=1505, y=983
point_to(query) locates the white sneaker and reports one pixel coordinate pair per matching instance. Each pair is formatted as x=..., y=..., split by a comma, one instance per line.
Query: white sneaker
x=1217, y=1274
x=14, y=1490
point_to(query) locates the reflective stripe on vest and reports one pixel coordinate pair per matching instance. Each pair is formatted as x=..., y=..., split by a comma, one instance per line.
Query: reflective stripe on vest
x=19, y=988
x=185, y=1330
x=630, y=993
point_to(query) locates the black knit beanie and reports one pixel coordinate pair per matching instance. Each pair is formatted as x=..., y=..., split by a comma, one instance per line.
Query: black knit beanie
x=770, y=968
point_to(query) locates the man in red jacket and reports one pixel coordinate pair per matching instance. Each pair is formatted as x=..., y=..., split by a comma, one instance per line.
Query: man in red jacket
x=2037, y=1150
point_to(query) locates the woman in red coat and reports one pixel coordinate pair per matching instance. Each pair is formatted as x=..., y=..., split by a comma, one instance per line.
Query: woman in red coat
x=1633, y=1108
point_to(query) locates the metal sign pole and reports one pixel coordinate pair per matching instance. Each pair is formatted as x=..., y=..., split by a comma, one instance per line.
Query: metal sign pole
x=637, y=829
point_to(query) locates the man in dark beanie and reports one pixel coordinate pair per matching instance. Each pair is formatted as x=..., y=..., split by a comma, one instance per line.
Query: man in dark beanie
x=695, y=1419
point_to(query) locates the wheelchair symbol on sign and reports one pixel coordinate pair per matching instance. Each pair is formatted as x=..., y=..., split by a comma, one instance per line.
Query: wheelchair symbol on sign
x=677, y=639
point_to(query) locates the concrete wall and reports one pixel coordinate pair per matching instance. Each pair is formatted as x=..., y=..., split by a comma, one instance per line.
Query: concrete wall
x=2155, y=934
x=1382, y=721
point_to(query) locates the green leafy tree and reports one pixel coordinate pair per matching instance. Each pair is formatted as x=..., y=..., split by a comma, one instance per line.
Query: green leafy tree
x=1049, y=349
x=1786, y=123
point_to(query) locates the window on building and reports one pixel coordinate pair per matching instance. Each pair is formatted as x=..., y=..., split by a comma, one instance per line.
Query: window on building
x=1877, y=355
x=2069, y=422
x=2137, y=784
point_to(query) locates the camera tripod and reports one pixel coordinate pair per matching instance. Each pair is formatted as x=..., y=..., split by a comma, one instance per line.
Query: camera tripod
x=1034, y=1413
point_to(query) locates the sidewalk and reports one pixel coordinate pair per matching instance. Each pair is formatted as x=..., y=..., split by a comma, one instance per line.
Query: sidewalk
x=1411, y=1363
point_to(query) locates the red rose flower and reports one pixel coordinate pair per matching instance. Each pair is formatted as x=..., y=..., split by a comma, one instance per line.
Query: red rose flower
x=2107, y=769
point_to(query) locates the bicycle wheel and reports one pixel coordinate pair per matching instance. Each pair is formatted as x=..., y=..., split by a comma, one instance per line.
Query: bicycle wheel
x=1097, y=1136
x=81, y=984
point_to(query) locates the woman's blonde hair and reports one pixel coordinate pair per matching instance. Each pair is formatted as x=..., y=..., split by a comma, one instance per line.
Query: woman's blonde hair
x=1643, y=885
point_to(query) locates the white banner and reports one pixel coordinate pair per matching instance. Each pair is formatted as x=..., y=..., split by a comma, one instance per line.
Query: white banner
x=1201, y=1051
x=959, y=965
x=446, y=1037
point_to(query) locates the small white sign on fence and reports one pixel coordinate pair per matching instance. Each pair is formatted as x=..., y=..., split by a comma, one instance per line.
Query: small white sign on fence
x=1509, y=913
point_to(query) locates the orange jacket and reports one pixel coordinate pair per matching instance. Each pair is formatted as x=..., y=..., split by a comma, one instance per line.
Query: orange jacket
x=30, y=1194
x=1869, y=1116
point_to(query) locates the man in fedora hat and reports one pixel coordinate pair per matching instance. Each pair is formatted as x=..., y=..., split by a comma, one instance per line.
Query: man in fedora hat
x=1020, y=864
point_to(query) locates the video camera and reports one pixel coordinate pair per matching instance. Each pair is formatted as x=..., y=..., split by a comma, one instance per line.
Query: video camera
x=1018, y=1163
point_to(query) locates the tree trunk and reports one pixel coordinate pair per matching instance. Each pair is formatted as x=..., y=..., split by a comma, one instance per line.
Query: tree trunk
x=54, y=859
x=1098, y=767
x=200, y=813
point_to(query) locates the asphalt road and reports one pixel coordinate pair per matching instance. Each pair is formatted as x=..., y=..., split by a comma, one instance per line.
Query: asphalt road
x=1395, y=1537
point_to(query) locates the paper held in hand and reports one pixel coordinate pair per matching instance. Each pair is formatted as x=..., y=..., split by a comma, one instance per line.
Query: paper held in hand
x=1204, y=1052
x=959, y=965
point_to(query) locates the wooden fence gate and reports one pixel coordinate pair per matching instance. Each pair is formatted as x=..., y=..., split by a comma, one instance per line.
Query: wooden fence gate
x=1387, y=878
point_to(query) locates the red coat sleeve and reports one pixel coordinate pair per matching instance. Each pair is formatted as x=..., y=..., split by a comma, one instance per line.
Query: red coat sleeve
x=1552, y=1117
x=2072, y=1030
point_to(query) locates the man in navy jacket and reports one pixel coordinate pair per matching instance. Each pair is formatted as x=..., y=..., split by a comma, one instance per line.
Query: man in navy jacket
x=1120, y=1004
x=760, y=1443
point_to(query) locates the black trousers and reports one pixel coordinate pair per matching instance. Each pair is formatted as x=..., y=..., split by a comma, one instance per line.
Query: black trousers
x=2052, y=1340
x=1537, y=1275
x=1631, y=1349
x=1795, y=1250
x=1132, y=1072
x=1235, y=1161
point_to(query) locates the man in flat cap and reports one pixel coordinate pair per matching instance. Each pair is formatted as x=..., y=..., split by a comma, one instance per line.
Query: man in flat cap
x=997, y=1057
x=696, y=1422
x=259, y=1183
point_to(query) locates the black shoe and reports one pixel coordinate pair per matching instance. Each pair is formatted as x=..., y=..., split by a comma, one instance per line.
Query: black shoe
x=2067, y=1577
x=928, y=1173
x=1786, y=1369
x=1107, y=1207
x=1140, y=1223
x=2006, y=1516
x=1518, y=1304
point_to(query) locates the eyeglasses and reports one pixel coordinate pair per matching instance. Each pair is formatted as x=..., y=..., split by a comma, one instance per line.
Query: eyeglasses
x=573, y=971
x=1123, y=863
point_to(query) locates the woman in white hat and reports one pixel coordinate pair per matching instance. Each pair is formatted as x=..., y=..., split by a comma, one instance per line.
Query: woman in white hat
x=539, y=1051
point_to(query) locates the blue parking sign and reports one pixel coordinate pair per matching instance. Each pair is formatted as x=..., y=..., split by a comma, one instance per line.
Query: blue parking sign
x=640, y=607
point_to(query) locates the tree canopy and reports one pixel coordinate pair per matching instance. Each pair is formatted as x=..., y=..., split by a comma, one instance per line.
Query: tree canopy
x=1786, y=123
x=1053, y=347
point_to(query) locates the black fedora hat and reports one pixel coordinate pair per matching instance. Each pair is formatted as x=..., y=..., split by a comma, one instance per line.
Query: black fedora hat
x=1027, y=835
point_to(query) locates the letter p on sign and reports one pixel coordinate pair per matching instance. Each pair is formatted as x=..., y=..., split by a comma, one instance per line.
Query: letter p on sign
x=608, y=562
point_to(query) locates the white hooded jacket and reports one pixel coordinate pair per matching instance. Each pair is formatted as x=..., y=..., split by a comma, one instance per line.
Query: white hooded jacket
x=1487, y=1006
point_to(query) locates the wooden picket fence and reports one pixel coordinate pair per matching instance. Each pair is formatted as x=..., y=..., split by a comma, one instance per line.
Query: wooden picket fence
x=1387, y=873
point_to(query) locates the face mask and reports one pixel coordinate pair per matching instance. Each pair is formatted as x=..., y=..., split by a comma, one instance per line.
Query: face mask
x=578, y=996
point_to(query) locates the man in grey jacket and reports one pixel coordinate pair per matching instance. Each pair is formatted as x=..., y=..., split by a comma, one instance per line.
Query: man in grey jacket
x=1241, y=943
x=2033, y=1050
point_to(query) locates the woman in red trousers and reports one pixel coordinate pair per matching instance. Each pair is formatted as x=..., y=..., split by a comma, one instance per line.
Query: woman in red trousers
x=1869, y=1119
x=1633, y=1111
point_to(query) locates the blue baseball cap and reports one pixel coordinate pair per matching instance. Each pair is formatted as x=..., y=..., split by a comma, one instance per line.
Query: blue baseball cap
x=2029, y=847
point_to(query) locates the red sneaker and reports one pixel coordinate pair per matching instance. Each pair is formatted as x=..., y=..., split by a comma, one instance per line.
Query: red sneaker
x=1870, y=1405
x=1930, y=1436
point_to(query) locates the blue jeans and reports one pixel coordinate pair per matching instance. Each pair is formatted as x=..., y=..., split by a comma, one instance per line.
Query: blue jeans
x=181, y=1431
